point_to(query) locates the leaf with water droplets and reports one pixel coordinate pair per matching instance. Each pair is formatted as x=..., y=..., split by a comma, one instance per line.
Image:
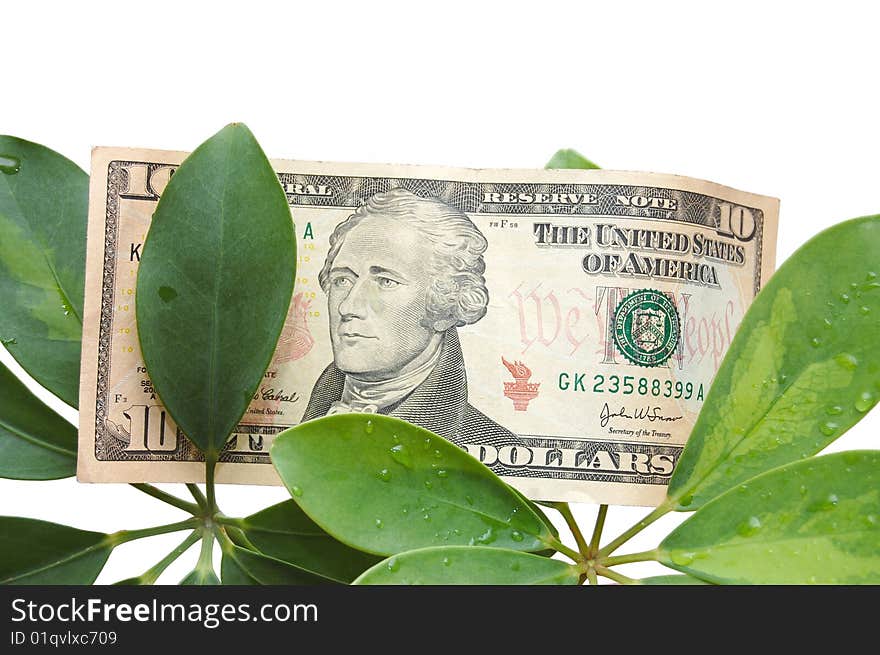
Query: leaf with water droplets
x=568, y=158
x=41, y=553
x=284, y=532
x=469, y=565
x=43, y=216
x=344, y=495
x=35, y=442
x=811, y=521
x=221, y=230
x=796, y=360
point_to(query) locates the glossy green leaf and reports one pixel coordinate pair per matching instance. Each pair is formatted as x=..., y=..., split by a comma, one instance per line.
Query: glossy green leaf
x=200, y=578
x=43, y=215
x=568, y=158
x=814, y=521
x=384, y=486
x=469, y=565
x=214, y=284
x=245, y=567
x=803, y=368
x=285, y=532
x=680, y=579
x=41, y=553
x=35, y=442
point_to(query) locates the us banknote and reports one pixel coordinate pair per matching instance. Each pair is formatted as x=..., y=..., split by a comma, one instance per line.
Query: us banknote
x=563, y=327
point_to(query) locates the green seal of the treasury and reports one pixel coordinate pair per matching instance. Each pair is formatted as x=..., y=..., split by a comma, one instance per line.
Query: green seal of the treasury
x=646, y=327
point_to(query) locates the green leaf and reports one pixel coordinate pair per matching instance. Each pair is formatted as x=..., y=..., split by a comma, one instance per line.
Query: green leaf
x=200, y=577
x=568, y=158
x=384, y=486
x=816, y=521
x=35, y=442
x=43, y=215
x=469, y=565
x=40, y=553
x=285, y=532
x=680, y=579
x=803, y=368
x=245, y=567
x=217, y=267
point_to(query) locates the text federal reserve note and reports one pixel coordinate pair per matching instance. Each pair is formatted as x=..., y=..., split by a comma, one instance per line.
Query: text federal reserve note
x=561, y=326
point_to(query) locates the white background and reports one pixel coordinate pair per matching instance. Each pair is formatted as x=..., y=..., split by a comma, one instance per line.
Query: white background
x=780, y=99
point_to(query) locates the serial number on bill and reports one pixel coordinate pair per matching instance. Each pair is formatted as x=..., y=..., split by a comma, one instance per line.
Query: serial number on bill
x=631, y=385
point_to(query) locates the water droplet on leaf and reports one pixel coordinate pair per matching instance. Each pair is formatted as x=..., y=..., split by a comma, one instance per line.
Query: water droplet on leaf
x=384, y=475
x=864, y=309
x=750, y=527
x=441, y=473
x=815, y=342
x=682, y=559
x=428, y=484
x=368, y=428
x=516, y=536
x=865, y=401
x=379, y=523
x=834, y=410
x=401, y=455
x=847, y=361
x=446, y=561
x=393, y=565
x=9, y=164
x=296, y=491
x=828, y=428
x=844, y=298
x=488, y=536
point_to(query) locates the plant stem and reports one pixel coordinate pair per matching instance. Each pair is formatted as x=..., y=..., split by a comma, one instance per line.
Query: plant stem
x=124, y=536
x=662, y=510
x=644, y=556
x=591, y=576
x=153, y=573
x=597, y=531
x=614, y=575
x=198, y=495
x=554, y=543
x=165, y=497
x=565, y=510
x=210, y=468
x=206, y=556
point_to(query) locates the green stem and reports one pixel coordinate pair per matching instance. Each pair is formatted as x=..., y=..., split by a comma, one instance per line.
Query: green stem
x=591, y=576
x=555, y=544
x=153, y=573
x=210, y=469
x=614, y=575
x=206, y=556
x=597, y=531
x=645, y=556
x=198, y=495
x=565, y=510
x=165, y=497
x=124, y=536
x=662, y=510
